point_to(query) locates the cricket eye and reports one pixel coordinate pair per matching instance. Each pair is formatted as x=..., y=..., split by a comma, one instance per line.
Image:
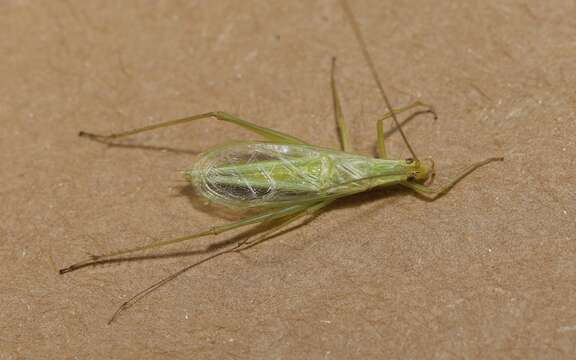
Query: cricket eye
x=409, y=161
x=411, y=177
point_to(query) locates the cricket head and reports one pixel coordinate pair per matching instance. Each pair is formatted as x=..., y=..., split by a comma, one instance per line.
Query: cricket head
x=422, y=170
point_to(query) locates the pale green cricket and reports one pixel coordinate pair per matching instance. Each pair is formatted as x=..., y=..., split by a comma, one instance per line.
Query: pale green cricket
x=286, y=178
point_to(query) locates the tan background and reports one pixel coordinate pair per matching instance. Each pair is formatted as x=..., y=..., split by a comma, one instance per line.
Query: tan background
x=486, y=272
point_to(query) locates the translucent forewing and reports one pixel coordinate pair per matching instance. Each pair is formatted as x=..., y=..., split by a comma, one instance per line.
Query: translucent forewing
x=260, y=174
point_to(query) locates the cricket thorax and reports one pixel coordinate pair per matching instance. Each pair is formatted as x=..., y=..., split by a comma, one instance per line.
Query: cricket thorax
x=259, y=174
x=420, y=171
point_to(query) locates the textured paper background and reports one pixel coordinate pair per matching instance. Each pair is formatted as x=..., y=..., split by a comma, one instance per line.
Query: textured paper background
x=486, y=272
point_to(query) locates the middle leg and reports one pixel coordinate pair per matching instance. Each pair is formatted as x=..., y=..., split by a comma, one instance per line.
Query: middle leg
x=341, y=122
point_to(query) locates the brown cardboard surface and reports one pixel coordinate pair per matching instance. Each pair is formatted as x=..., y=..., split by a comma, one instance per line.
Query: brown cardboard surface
x=488, y=271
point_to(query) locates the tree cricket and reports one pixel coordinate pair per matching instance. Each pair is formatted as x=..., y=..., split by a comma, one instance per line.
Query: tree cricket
x=285, y=178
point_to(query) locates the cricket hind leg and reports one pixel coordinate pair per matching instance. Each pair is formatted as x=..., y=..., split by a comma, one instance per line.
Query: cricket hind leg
x=214, y=230
x=267, y=133
x=432, y=194
x=312, y=210
x=237, y=249
x=381, y=144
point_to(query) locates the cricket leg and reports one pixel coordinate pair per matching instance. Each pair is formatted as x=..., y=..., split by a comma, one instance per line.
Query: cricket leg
x=313, y=209
x=364, y=48
x=265, y=236
x=274, y=227
x=214, y=230
x=433, y=194
x=340, y=121
x=267, y=133
x=380, y=124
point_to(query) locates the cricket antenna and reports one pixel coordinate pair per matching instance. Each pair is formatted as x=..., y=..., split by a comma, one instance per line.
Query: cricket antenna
x=370, y=63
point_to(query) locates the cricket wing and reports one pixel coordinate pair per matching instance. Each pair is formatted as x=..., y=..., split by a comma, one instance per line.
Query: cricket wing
x=259, y=174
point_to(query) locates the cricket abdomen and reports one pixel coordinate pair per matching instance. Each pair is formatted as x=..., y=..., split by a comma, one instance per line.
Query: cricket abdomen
x=260, y=174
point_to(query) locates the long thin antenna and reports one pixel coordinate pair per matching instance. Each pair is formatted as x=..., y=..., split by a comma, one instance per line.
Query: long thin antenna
x=370, y=63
